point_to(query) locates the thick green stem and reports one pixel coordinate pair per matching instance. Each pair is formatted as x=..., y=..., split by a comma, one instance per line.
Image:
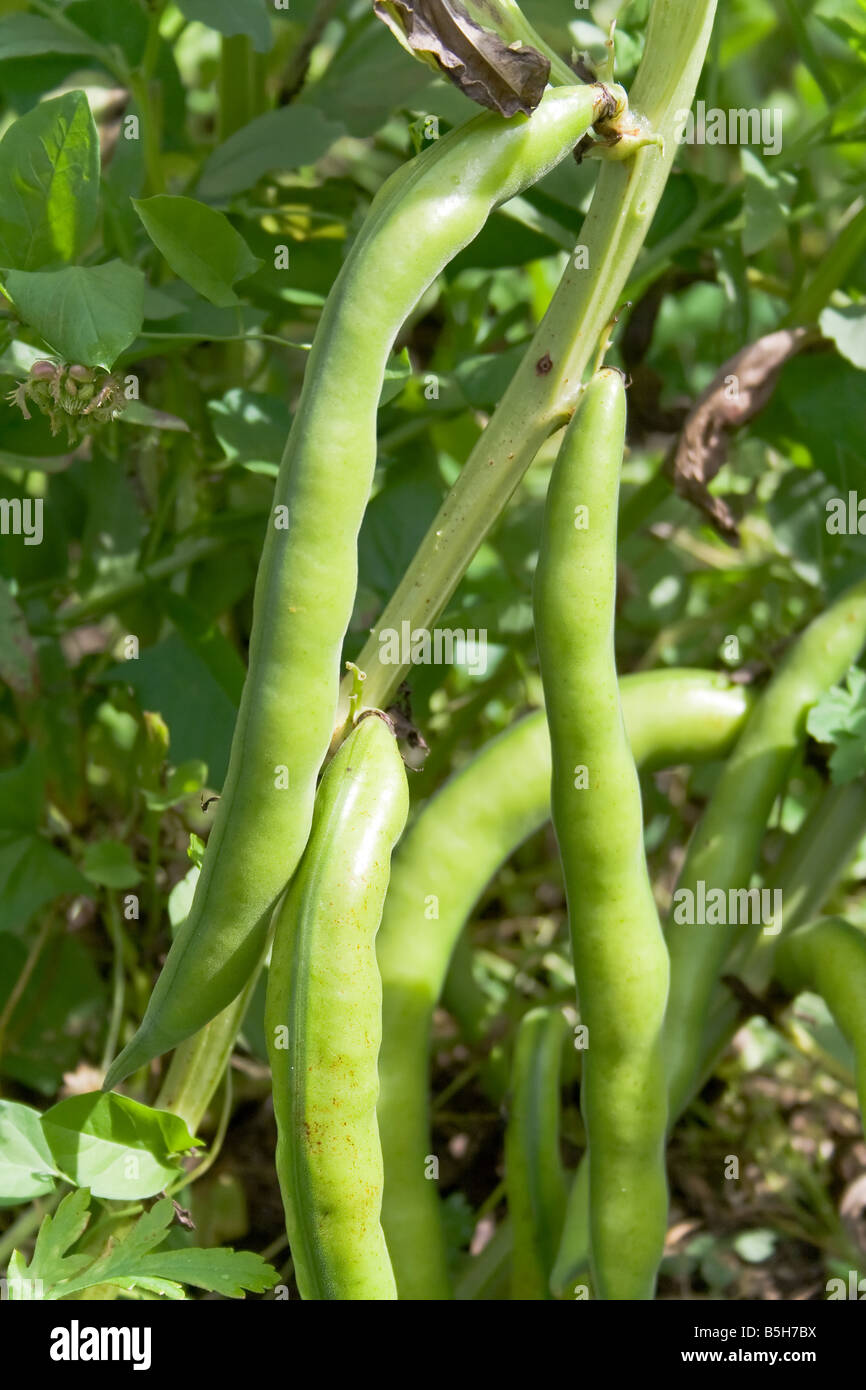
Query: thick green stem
x=546, y=386
x=236, y=104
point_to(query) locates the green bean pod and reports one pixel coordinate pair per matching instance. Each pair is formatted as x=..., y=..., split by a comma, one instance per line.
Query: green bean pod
x=323, y=1021
x=305, y=589
x=620, y=958
x=724, y=853
x=449, y=854
x=535, y=1179
x=725, y=847
x=809, y=870
x=828, y=957
x=807, y=873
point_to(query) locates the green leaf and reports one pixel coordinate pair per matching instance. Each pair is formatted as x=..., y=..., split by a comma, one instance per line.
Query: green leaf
x=110, y=864
x=200, y=245
x=251, y=428
x=25, y=36
x=132, y=1260
x=287, y=138
x=121, y=1261
x=202, y=322
x=18, y=667
x=32, y=874
x=181, y=896
x=847, y=328
x=228, y=1272
x=22, y=794
x=768, y=198
x=483, y=379
x=195, y=850
x=119, y=23
x=230, y=17
x=26, y=1167
x=755, y=1246
x=839, y=718
x=114, y=1146
x=174, y=677
x=51, y=1262
x=137, y=413
x=368, y=78
x=182, y=783
x=62, y=997
x=815, y=391
x=396, y=520
x=397, y=372
x=49, y=184
x=87, y=314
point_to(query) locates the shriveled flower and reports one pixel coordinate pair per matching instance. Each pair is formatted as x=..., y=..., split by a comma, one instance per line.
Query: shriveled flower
x=66, y=392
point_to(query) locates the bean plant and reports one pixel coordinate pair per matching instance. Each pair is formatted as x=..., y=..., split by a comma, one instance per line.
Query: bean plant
x=432, y=608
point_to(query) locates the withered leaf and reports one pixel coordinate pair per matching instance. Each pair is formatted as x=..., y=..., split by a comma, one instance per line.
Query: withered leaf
x=490, y=71
x=737, y=393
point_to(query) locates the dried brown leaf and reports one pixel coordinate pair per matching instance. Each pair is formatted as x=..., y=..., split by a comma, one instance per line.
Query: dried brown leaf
x=503, y=77
x=737, y=393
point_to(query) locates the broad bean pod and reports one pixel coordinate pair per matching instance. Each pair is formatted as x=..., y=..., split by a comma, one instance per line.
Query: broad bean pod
x=725, y=847
x=620, y=958
x=806, y=875
x=443, y=863
x=535, y=1179
x=323, y=1023
x=828, y=957
x=810, y=868
x=419, y=220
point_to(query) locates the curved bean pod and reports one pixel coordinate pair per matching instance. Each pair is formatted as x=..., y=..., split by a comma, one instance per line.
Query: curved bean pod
x=423, y=215
x=619, y=953
x=828, y=957
x=323, y=1023
x=815, y=860
x=724, y=849
x=534, y=1175
x=443, y=863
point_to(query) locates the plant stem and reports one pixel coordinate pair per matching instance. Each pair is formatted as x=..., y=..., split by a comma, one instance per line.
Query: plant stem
x=234, y=85
x=213, y=1152
x=807, y=51
x=230, y=338
x=147, y=99
x=485, y=1277
x=105, y=599
x=118, y=978
x=546, y=386
x=21, y=983
x=296, y=74
x=844, y=253
x=199, y=1064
